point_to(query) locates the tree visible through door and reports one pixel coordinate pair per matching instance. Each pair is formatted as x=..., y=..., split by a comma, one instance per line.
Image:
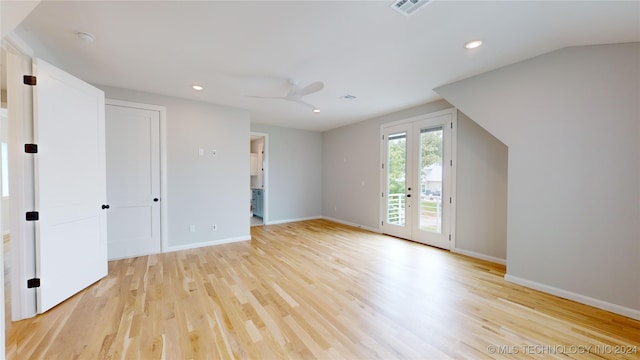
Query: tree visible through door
x=417, y=177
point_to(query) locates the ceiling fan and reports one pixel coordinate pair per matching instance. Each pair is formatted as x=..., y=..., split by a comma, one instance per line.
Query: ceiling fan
x=296, y=93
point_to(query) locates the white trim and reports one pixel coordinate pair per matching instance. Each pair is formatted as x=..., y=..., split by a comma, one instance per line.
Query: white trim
x=600, y=304
x=265, y=176
x=14, y=42
x=479, y=256
x=451, y=110
x=382, y=186
x=454, y=158
x=284, y=221
x=208, y=243
x=353, y=224
x=164, y=198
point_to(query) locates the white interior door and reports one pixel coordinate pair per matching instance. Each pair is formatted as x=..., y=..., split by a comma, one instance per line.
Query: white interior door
x=418, y=179
x=133, y=181
x=70, y=185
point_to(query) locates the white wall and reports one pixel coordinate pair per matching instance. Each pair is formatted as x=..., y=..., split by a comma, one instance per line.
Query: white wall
x=481, y=192
x=294, y=187
x=13, y=12
x=202, y=190
x=571, y=120
x=4, y=137
x=351, y=168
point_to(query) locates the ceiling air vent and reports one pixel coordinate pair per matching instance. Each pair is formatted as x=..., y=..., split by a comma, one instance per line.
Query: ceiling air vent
x=408, y=7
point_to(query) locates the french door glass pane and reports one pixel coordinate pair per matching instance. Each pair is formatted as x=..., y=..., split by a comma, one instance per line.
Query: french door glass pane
x=431, y=174
x=396, y=178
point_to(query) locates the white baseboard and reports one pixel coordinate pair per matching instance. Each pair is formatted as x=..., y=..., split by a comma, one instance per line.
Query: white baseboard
x=479, y=256
x=292, y=220
x=600, y=304
x=207, y=243
x=353, y=224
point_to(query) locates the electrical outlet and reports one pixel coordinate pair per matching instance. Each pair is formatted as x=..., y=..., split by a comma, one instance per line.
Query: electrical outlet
x=214, y=227
x=192, y=228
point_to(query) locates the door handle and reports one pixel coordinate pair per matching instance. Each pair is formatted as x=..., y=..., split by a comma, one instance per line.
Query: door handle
x=156, y=199
x=105, y=207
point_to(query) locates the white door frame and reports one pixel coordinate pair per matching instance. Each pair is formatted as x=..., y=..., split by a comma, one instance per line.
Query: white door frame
x=164, y=224
x=265, y=177
x=452, y=209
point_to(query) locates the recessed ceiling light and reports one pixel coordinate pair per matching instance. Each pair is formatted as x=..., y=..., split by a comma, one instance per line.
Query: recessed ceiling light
x=197, y=87
x=84, y=36
x=473, y=44
x=315, y=110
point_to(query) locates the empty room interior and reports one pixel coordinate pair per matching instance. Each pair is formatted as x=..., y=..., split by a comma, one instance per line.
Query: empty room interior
x=406, y=179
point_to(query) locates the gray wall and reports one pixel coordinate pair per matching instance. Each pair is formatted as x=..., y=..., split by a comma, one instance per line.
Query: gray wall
x=294, y=184
x=481, y=189
x=202, y=190
x=351, y=180
x=351, y=176
x=571, y=121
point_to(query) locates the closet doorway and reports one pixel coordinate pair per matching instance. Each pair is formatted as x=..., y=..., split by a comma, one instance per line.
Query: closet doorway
x=258, y=149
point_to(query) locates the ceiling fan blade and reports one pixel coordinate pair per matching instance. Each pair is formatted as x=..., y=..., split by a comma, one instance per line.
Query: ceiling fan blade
x=304, y=103
x=311, y=88
x=267, y=97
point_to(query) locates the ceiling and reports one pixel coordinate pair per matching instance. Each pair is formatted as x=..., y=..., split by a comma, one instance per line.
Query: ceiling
x=363, y=48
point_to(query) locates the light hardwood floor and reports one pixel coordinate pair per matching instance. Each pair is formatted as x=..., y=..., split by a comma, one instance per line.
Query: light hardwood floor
x=317, y=289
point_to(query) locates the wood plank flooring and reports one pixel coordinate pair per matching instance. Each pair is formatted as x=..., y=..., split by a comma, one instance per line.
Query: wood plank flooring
x=317, y=289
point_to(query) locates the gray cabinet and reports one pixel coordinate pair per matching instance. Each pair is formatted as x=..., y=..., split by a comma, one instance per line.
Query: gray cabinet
x=257, y=202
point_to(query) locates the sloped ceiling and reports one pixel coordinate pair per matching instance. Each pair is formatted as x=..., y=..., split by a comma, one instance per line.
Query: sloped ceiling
x=364, y=48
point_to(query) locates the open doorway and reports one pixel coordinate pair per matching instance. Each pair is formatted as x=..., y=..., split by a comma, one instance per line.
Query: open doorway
x=258, y=179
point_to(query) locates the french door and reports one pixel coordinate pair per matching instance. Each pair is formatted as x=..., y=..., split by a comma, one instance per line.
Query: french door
x=417, y=172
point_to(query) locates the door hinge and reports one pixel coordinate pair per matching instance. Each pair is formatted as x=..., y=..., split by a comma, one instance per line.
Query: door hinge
x=383, y=165
x=33, y=283
x=452, y=124
x=381, y=223
x=382, y=194
x=449, y=200
x=449, y=237
x=382, y=137
x=450, y=162
x=32, y=216
x=31, y=148
x=29, y=80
